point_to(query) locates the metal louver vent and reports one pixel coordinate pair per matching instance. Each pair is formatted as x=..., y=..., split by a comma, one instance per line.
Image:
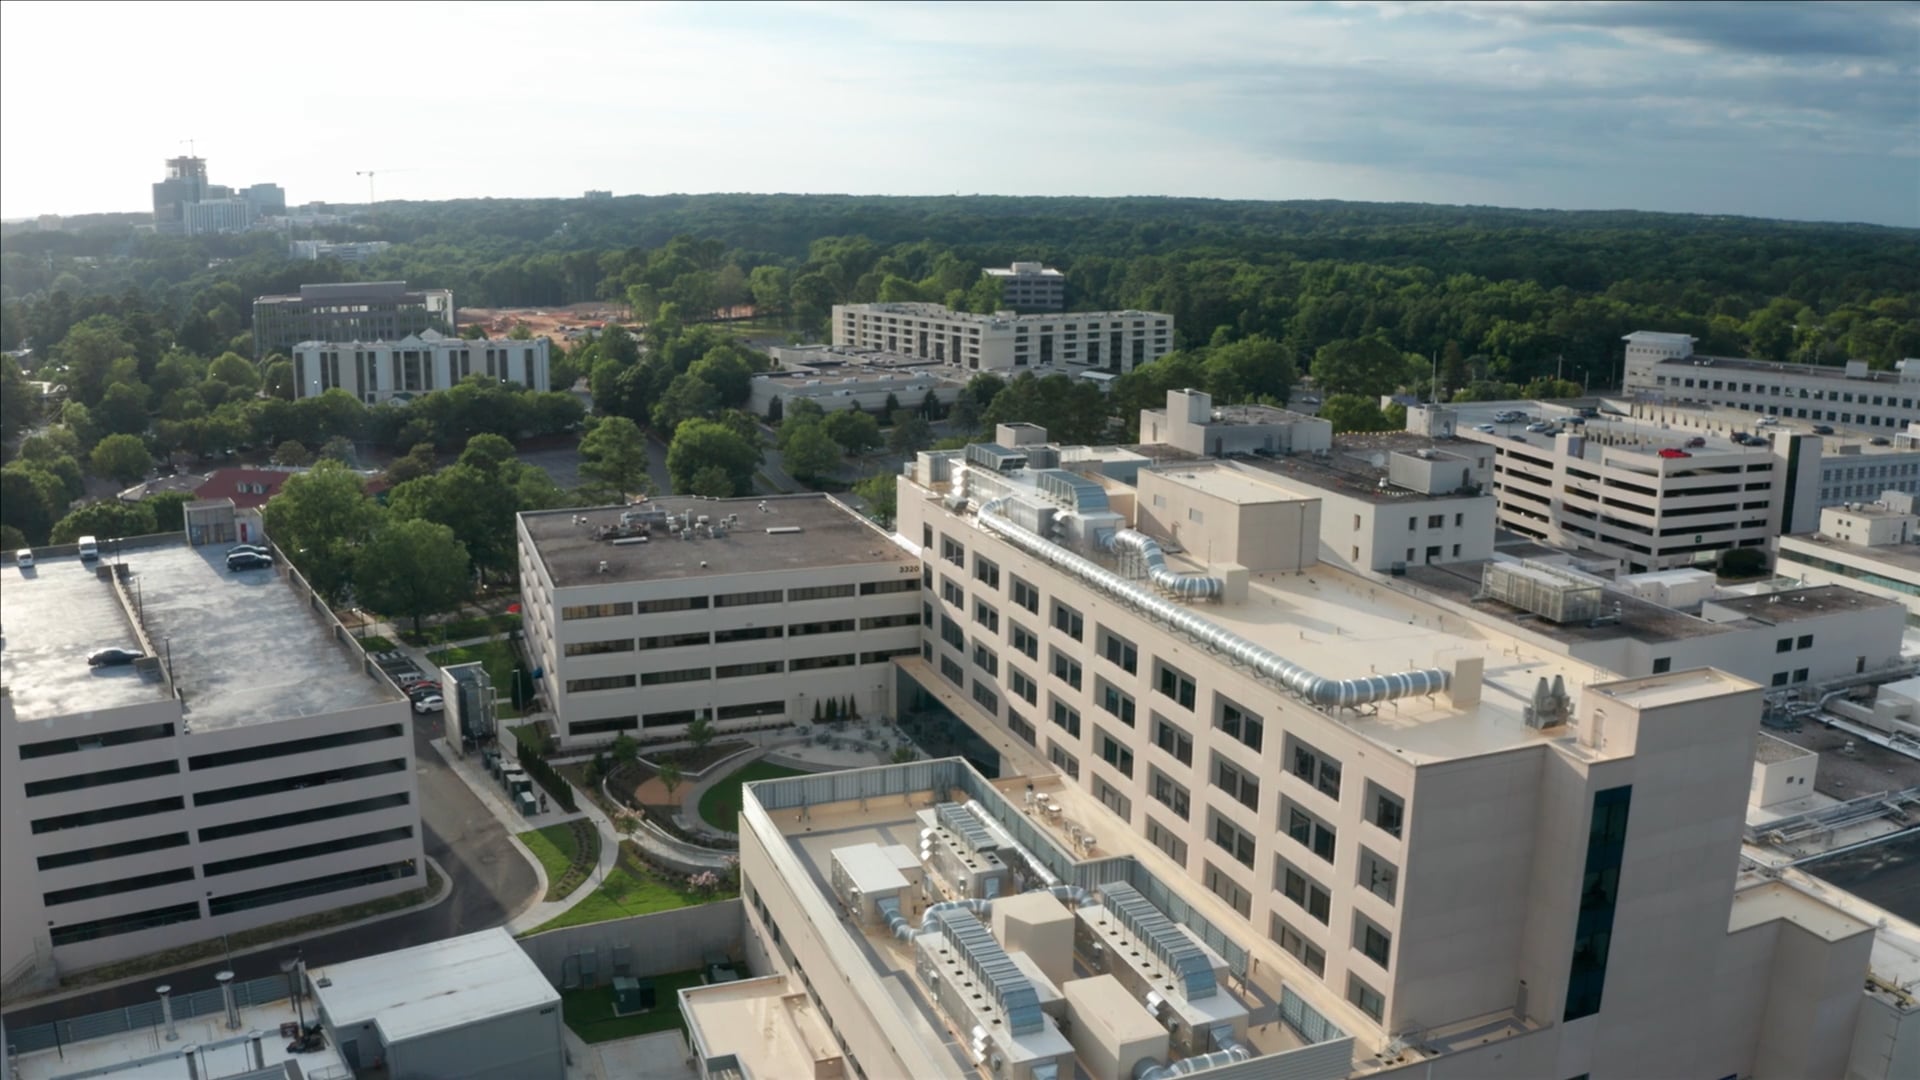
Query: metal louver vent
x=962, y=822
x=993, y=968
x=1173, y=948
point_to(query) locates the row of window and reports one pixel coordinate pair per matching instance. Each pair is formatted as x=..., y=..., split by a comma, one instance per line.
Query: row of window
x=756, y=597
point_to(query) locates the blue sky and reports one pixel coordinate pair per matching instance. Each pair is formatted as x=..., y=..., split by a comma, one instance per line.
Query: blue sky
x=1807, y=111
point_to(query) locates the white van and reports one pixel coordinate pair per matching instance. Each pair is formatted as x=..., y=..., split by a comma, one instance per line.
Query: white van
x=89, y=548
x=23, y=558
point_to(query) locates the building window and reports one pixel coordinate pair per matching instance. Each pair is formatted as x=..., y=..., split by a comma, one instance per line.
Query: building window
x=1662, y=664
x=1378, y=876
x=951, y=633
x=1785, y=644
x=984, y=696
x=1066, y=669
x=1317, y=769
x=820, y=592
x=1171, y=682
x=1119, y=651
x=952, y=671
x=952, y=593
x=1385, y=809
x=747, y=633
x=1805, y=641
x=1020, y=726
x=1112, y=799
x=1312, y=833
x=599, y=611
x=1166, y=791
x=1173, y=740
x=1230, y=837
x=987, y=571
x=1599, y=892
x=1239, y=723
x=615, y=645
x=682, y=675
x=745, y=599
x=1114, y=701
x=1023, y=686
x=1025, y=642
x=1374, y=943
x=1114, y=752
x=744, y=671
x=984, y=659
x=1365, y=997
x=985, y=615
x=1305, y=892
x=951, y=551
x=1296, y=946
x=1065, y=717
x=1062, y=760
x=1236, y=782
x=1068, y=621
x=1167, y=841
x=1229, y=890
x=1026, y=596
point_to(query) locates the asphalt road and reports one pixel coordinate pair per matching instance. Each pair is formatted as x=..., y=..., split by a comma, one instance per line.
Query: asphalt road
x=490, y=881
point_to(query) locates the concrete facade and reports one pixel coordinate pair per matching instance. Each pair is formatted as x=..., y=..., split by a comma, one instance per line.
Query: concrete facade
x=1664, y=367
x=1005, y=342
x=794, y=601
x=835, y=378
x=380, y=371
x=349, y=311
x=194, y=793
x=1030, y=286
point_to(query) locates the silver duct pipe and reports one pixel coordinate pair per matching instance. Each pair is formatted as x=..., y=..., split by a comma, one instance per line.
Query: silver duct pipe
x=903, y=929
x=1229, y=1050
x=992, y=825
x=166, y=1010
x=1073, y=895
x=225, y=979
x=1184, y=586
x=1315, y=688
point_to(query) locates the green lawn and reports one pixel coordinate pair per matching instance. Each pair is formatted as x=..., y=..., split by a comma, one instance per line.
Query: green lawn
x=374, y=643
x=630, y=890
x=720, y=804
x=589, y=1012
x=567, y=852
x=499, y=659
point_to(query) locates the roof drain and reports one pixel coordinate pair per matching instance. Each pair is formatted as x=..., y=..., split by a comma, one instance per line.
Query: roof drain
x=1184, y=586
x=1315, y=688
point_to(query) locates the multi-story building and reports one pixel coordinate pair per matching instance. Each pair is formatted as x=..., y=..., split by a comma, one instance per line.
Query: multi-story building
x=250, y=768
x=1634, y=489
x=1856, y=463
x=1291, y=821
x=377, y=371
x=186, y=184
x=210, y=216
x=1664, y=367
x=267, y=200
x=747, y=613
x=1867, y=547
x=315, y=250
x=349, y=311
x=1117, y=341
x=1029, y=286
x=836, y=378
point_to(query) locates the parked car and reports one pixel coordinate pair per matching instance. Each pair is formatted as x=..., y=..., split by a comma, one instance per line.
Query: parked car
x=419, y=692
x=23, y=558
x=1822, y=429
x=1539, y=426
x=1767, y=421
x=410, y=685
x=113, y=657
x=1671, y=452
x=254, y=549
x=1517, y=437
x=430, y=703
x=89, y=548
x=1488, y=428
x=247, y=560
x=1697, y=441
x=1877, y=440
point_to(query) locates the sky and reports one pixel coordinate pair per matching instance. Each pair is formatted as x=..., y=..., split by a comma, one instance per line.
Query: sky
x=1802, y=111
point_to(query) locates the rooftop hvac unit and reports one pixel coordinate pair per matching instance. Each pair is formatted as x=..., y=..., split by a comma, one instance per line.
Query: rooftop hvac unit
x=1546, y=591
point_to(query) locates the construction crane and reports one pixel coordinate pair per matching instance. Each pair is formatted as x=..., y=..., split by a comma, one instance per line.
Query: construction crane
x=369, y=174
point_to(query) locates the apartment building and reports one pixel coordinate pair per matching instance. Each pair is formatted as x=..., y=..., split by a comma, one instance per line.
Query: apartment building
x=248, y=769
x=1030, y=286
x=1289, y=820
x=1635, y=490
x=379, y=371
x=1867, y=547
x=1664, y=367
x=349, y=311
x=748, y=613
x=356, y=252
x=1005, y=342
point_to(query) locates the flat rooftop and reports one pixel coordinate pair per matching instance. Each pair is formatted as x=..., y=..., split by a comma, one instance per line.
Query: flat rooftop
x=439, y=986
x=145, y=1055
x=1640, y=619
x=1606, y=433
x=1795, y=604
x=1773, y=900
x=1816, y=371
x=244, y=647
x=769, y=1025
x=1350, y=469
x=1897, y=556
x=831, y=534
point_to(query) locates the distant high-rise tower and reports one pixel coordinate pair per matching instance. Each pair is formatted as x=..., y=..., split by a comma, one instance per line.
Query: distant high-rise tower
x=186, y=183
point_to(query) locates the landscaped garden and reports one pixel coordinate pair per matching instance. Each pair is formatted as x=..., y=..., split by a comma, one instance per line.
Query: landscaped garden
x=567, y=852
x=477, y=626
x=720, y=804
x=589, y=1011
x=633, y=888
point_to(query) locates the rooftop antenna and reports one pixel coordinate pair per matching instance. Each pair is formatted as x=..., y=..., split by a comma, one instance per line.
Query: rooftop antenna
x=191, y=151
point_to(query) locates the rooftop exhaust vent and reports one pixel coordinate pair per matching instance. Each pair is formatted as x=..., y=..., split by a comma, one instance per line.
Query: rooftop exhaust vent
x=1173, y=948
x=991, y=965
x=1546, y=591
x=962, y=823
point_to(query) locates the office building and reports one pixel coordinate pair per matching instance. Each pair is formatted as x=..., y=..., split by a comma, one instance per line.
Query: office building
x=185, y=203
x=1029, y=286
x=748, y=613
x=1867, y=547
x=1632, y=489
x=1856, y=463
x=1004, y=342
x=836, y=378
x=349, y=311
x=315, y=250
x=376, y=371
x=266, y=200
x=186, y=184
x=212, y=216
x=1664, y=367
x=250, y=768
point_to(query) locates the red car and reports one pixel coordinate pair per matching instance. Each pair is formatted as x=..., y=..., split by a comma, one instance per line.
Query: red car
x=412, y=685
x=1670, y=452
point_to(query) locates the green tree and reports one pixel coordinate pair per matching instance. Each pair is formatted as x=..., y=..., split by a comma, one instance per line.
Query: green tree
x=853, y=430
x=19, y=403
x=698, y=444
x=321, y=518
x=49, y=443
x=417, y=462
x=169, y=510
x=713, y=482
x=670, y=776
x=775, y=410
x=1367, y=367
x=910, y=433
x=1250, y=369
x=236, y=371
x=724, y=369
x=277, y=379
x=811, y=453
x=123, y=458
x=1351, y=412
x=123, y=408
x=478, y=498
x=626, y=749
x=411, y=568
x=1549, y=389
x=701, y=734
x=687, y=397
x=614, y=453
x=292, y=452
x=105, y=518
x=881, y=496
x=30, y=500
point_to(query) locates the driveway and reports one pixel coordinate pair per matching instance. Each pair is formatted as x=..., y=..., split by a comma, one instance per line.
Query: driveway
x=490, y=878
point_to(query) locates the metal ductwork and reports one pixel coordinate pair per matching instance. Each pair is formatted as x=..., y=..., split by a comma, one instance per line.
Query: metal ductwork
x=1315, y=688
x=1228, y=1051
x=1184, y=586
x=897, y=922
x=1072, y=895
